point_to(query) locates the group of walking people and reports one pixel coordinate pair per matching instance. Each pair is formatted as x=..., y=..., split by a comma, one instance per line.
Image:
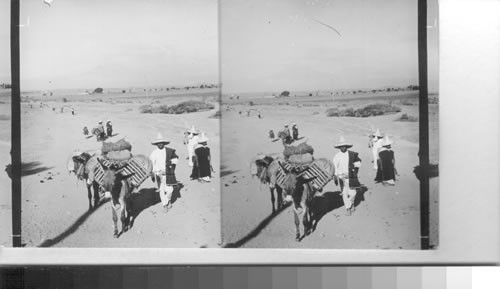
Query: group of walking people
x=347, y=164
x=165, y=160
x=287, y=135
x=99, y=131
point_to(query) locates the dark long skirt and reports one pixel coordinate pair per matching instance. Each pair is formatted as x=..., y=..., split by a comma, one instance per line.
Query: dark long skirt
x=203, y=156
x=195, y=172
x=385, y=169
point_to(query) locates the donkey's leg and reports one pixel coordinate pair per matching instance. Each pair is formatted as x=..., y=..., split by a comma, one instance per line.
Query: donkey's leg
x=89, y=195
x=129, y=215
x=272, y=198
x=115, y=220
x=123, y=216
x=297, y=224
x=279, y=192
x=306, y=221
x=95, y=186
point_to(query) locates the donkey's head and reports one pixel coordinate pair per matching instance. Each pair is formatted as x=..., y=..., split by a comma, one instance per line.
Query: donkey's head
x=76, y=164
x=112, y=179
x=260, y=165
x=294, y=182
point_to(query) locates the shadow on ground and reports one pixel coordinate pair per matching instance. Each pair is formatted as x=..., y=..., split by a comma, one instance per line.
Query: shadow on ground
x=149, y=197
x=224, y=171
x=256, y=231
x=329, y=201
x=72, y=228
x=320, y=206
x=28, y=169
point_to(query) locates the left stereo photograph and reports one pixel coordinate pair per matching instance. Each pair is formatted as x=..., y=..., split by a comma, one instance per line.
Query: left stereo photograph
x=119, y=124
x=5, y=124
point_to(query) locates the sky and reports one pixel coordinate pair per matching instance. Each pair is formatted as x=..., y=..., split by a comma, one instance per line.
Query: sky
x=260, y=45
x=5, y=42
x=275, y=45
x=117, y=43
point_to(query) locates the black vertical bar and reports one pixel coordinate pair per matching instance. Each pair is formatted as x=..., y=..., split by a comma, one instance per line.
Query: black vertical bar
x=16, y=123
x=423, y=124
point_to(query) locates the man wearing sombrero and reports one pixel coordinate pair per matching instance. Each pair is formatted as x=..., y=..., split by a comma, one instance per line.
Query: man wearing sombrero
x=295, y=131
x=164, y=162
x=192, y=143
x=347, y=164
x=375, y=144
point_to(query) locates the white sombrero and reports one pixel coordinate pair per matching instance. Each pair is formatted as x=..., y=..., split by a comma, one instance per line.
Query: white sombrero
x=387, y=141
x=193, y=130
x=203, y=138
x=160, y=139
x=342, y=143
x=377, y=133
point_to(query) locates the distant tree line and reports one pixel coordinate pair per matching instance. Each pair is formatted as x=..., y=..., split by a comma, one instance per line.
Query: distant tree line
x=201, y=86
x=286, y=93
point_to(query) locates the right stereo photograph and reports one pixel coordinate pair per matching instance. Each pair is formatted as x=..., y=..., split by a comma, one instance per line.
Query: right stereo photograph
x=320, y=127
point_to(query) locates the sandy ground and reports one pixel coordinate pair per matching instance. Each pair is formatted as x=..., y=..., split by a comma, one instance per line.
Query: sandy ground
x=54, y=208
x=5, y=183
x=387, y=218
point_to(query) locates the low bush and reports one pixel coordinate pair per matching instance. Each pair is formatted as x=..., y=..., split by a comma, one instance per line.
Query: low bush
x=408, y=118
x=367, y=111
x=407, y=102
x=217, y=114
x=146, y=109
x=183, y=107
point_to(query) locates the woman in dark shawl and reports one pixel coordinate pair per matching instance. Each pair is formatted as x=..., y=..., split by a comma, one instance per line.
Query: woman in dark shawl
x=203, y=165
x=386, y=171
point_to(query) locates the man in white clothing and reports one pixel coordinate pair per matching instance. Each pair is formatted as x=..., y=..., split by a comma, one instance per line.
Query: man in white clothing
x=192, y=143
x=164, y=162
x=347, y=164
x=376, y=144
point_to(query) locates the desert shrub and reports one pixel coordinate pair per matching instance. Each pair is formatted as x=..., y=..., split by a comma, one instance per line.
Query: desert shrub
x=332, y=112
x=183, y=107
x=285, y=93
x=367, y=111
x=378, y=109
x=408, y=118
x=123, y=91
x=146, y=109
x=98, y=90
x=251, y=103
x=406, y=102
x=217, y=114
x=65, y=99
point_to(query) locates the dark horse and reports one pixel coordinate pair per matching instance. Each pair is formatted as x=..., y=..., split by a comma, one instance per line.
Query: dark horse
x=117, y=185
